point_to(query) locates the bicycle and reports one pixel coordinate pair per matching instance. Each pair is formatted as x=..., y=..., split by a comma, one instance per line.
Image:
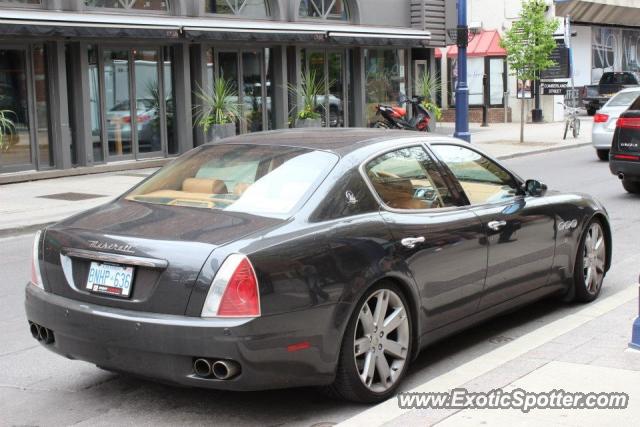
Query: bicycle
x=571, y=120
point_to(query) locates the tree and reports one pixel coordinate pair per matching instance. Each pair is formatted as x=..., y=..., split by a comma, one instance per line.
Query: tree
x=529, y=43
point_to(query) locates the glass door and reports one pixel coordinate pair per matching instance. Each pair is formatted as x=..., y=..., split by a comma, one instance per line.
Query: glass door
x=134, y=103
x=330, y=69
x=248, y=73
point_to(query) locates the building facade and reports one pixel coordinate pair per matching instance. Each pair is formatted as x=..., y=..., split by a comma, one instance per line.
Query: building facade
x=94, y=85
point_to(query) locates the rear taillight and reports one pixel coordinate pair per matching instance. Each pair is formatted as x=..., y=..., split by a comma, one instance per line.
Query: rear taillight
x=626, y=157
x=36, y=277
x=628, y=123
x=601, y=118
x=126, y=119
x=234, y=291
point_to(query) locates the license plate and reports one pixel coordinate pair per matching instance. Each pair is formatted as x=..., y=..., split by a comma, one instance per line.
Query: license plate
x=110, y=279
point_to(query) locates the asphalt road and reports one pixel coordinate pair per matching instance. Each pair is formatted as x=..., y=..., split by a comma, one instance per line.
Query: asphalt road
x=40, y=388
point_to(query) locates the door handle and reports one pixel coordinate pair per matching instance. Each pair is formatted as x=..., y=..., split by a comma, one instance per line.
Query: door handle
x=410, y=242
x=496, y=225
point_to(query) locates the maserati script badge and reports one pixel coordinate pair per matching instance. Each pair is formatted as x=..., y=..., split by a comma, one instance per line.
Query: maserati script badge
x=97, y=244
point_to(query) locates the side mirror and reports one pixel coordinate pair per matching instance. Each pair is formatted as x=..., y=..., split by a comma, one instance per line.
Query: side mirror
x=535, y=188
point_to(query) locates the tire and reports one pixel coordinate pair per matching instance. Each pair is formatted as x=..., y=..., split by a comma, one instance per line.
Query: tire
x=576, y=128
x=394, y=358
x=603, y=155
x=566, y=129
x=632, y=187
x=591, y=260
x=591, y=111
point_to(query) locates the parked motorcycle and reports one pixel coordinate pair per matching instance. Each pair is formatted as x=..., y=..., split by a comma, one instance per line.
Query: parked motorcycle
x=391, y=117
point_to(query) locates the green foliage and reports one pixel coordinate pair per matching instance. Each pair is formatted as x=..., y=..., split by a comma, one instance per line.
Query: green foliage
x=218, y=107
x=426, y=85
x=7, y=128
x=530, y=41
x=308, y=91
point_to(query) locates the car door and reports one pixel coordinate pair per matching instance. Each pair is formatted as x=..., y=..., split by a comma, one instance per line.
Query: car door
x=440, y=242
x=520, y=229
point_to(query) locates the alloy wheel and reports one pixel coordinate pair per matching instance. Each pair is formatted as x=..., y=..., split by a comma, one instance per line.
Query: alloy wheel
x=594, y=257
x=381, y=340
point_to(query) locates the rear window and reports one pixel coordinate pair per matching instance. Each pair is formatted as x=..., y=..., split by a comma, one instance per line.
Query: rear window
x=623, y=99
x=257, y=179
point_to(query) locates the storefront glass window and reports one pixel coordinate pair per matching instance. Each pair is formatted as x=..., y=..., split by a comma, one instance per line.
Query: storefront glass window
x=228, y=70
x=45, y=154
x=324, y=9
x=94, y=104
x=496, y=81
x=475, y=72
x=158, y=5
x=269, y=88
x=117, y=102
x=246, y=8
x=148, y=100
x=170, y=105
x=385, y=79
x=15, y=144
x=252, y=84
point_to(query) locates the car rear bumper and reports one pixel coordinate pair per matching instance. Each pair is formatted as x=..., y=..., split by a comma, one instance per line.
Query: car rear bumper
x=163, y=347
x=630, y=169
x=602, y=138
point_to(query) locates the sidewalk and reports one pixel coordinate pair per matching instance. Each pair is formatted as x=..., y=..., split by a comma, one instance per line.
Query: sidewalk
x=30, y=205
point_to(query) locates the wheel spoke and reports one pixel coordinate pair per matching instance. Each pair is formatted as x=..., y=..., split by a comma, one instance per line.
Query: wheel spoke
x=381, y=308
x=369, y=368
x=361, y=346
x=366, y=319
x=394, y=348
x=394, y=320
x=600, y=265
x=382, y=366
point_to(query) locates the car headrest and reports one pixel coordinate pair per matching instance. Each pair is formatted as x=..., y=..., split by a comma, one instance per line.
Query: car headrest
x=203, y=185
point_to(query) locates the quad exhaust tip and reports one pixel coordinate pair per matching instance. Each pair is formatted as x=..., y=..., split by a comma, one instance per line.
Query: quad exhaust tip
x=41, y=333
x=217, y=369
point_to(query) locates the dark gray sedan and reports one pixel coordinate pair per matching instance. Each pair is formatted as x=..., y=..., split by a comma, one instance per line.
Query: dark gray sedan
x=298, y=258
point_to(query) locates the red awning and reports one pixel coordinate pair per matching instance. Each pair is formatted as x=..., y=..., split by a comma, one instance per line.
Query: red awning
x=487, y=43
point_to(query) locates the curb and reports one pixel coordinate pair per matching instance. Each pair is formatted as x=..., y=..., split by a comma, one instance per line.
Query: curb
x=10, y=232
x=544, y=150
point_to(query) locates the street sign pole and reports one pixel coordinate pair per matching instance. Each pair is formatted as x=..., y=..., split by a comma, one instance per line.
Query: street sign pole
x=567, y=42
x=462, y=89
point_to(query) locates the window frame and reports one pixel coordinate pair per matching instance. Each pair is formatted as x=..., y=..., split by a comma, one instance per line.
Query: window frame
x=120, y=10
x=269, y=17
x=452, y=177
x=458, y=197
x=324, y=19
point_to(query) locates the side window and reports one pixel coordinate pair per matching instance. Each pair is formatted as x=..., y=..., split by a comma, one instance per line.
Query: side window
x=482, y=180
x=408, y=179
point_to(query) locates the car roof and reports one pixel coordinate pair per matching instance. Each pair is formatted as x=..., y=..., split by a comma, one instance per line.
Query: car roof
x=340, y=141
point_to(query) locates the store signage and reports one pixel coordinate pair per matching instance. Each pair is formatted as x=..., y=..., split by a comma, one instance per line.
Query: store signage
x=553, y=88
x=561, y=68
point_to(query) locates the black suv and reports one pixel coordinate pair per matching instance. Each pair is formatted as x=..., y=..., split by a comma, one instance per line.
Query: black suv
x=624, y=157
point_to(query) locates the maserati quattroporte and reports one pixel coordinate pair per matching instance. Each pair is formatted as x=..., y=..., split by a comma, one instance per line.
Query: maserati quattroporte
x=307, y=257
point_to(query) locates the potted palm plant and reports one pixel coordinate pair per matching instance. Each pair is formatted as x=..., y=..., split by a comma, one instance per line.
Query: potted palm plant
x=426, y=86
x=219, y=110
x=7, y=129
x=308, y=92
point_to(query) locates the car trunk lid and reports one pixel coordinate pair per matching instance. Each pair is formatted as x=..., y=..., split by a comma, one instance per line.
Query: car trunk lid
x=165, y=245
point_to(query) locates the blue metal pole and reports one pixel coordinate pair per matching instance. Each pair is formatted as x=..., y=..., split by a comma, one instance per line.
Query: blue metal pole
x=462, y=88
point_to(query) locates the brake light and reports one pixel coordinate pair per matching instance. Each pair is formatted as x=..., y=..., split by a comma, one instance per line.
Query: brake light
x=628, y=123
x=601, y=118
x=36, y=277
x=625, y=157
x=234, y=291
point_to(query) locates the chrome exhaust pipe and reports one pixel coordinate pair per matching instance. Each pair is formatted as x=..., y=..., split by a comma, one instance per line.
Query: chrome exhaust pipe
x=45, y=335
x=620, y=176
x=35, y=330
x=202, y=368
x=225, y=369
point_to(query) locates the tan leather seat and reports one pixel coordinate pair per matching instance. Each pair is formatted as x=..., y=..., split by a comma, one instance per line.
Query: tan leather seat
x=399, y=194
x=203, y=185
x=240, y=188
